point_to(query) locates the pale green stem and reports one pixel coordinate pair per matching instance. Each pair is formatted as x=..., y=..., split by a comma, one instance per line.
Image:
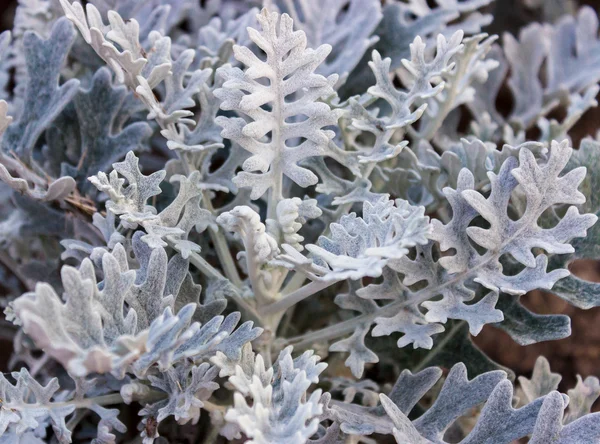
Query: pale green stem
x=295, y=297
x=13, y=267
x=222, y=248
x=294, y=283
x=287, y=320
x=111, y=399
x=276, y=191
x=76, y=419
x=200, y=263
x=439, y=346
x=225, y=258
x=325, y=334
x=213, y=274
x=86, y=403
x=266, y=352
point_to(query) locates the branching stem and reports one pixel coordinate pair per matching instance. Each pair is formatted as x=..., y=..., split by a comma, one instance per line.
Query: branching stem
x=295, y=297
x=212, y=273
x=221, y=247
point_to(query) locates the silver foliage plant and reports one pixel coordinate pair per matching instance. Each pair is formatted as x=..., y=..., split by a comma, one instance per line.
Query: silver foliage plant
x=205, y=206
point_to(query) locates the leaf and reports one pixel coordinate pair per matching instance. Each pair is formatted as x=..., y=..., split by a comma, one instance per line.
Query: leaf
x=402, y=22
x=259, y=247
x=217, y=37
x=103, y=141
x=499, y=421
x=574, y=49
x=126, y=324
x=462, y=349
x=187, y=386
x=404, y=430
x=542, y=381
x=118, y=44
x=457, y=396
x=5, y=119
x=577, y=291
x=549, y=64
x=359, y=353
x=269, y=135
x=406, y=106
x=27, y=405
x=246, y=222
x=526, y=56
x=525, y=327
x=291, y=215
x=56, y=190
x=346, y=26
x=543, y=188
x=362, y=246
x=44, y=99
x=128, y=62
x=132, y=198
x=582, y=397
x=549, y=424
x=469, y=67
x=280, y=409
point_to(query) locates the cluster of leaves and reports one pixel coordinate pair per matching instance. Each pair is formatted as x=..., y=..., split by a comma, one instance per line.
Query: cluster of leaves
x=200, y=199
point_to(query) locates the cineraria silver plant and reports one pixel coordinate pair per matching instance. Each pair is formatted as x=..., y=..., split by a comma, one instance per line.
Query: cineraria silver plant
x=282, y=221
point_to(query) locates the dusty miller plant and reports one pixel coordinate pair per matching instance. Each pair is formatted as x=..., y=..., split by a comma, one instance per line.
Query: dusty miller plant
x=208, y=210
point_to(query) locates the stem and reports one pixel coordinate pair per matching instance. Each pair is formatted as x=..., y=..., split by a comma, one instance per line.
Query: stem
x=448, y=105
x=76, y=419
x=13, y=267
x=295, y=297
x=266, y=353
x=222, y=248
x=39, y=364
x=247, y=308
x=113, y=398
x=294, y=283
x=276, y=191
x=212, y=407
x=211, y=436
x=287, y=320
x=439, y=346
x=275, y=194
x=224, y=255
x=325, y=334
x=201, y=264
x=213, y=274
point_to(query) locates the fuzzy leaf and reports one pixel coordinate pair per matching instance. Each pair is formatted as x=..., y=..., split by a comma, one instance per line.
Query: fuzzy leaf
x=345, y=25
x=102, y=141
x=280, y=409
x=187, y=386
x=542, y=381
x=273, y=110
x=406, y=106
x=362, y=246
x=27, y=405
x=45, y=99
